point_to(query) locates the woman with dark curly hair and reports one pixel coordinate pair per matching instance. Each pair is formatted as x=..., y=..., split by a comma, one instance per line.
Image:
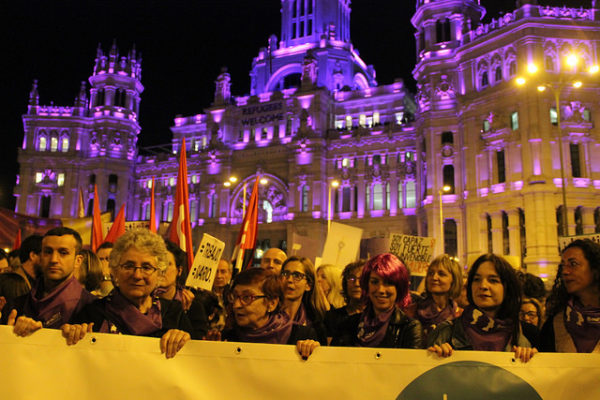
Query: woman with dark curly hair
x=491, y=321
x=383, y=323
x=573, y=307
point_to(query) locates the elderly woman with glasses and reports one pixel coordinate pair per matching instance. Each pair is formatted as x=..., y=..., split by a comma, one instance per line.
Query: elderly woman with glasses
x=138, y=260
x=383, y=322
x=255, y=299
x=304, y=301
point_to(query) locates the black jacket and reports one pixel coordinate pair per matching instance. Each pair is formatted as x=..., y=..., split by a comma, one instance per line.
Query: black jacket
x=403, y=332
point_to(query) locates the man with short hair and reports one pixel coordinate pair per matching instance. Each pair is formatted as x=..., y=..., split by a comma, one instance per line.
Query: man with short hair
x=222, y=277
x=56, y=295
x=103, y=252
x=29, y=254
x=273, y=259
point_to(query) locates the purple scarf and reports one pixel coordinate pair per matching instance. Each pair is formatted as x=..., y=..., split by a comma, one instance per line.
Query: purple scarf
x=125, y=314
x=277, y=330
x=485, y=333
x=301, y=318
x=58, y=306
x=430, y=317
x=372, y=328
x=583, y=324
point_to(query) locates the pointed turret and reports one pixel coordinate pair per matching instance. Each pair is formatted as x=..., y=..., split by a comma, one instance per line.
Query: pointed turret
x=34, y=96
x=223, y=88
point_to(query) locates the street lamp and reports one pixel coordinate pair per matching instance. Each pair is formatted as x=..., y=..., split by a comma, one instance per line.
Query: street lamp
x=444, y=189
x=334, y=184
x=556, y=87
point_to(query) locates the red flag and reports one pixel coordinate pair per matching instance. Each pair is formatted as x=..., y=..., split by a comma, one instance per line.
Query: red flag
x=97, y=236
x=246, y=239
x=118, y=226
x=80, y=205
x=152, y=210
x=180, y=230
x=17, y=240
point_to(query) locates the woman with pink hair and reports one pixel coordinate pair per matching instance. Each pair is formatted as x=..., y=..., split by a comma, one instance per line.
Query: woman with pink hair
x=383, y=323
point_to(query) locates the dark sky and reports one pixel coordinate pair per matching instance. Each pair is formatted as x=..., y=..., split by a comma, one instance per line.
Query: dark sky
x=184, y=45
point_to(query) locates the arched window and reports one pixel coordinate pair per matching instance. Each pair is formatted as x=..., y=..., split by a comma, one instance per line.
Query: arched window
x=505, y=237
x=549, y=63
x=484, y=80
x=378, y=196
x=448, y=173
x=578, y=221
x=64, y=144
x=498, y=74
x=450, y=238
x=42, y=142
x=113, y=181
x=447, y=138
x=53, y=144
x=411, y=194
x=512, y=68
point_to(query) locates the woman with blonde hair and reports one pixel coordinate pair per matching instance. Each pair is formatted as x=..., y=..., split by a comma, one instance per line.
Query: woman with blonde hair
x=443, y=284
x=303, y=300
x=328, y=277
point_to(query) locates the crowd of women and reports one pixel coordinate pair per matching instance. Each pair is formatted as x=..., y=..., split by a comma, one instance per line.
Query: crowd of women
x=369, y=303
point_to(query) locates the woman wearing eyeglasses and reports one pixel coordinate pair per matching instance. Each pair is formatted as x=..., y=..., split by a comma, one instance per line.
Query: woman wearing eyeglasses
x=139, y=258
x=383, y=323
x=304, y=301
x=255, y=298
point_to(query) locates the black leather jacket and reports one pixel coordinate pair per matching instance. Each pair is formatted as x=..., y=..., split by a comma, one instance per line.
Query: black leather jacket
x=403, y=332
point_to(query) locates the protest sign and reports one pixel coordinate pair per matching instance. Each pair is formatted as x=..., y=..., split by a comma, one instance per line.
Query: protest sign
x=415, y=251
x=342, y=245
x=203, y=271
x=564, y=241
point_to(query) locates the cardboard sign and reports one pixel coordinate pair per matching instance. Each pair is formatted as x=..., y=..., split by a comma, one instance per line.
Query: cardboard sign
x=415, y=251
x=342, y=245
x=564, y=241
x=203, y=271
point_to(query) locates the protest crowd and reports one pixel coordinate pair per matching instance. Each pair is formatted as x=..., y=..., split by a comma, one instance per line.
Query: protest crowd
x=137, y=286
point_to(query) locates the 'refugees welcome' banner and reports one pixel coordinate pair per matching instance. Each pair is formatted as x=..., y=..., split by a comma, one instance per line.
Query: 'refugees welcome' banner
x=106, y=366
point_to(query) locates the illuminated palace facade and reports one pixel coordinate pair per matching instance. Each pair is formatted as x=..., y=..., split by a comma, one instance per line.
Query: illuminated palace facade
x=315, y=114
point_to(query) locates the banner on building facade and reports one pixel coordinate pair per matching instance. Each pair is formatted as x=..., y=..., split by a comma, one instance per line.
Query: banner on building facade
x=204, y=269
x=564, y=241
x=104, y=366
x=415, y=251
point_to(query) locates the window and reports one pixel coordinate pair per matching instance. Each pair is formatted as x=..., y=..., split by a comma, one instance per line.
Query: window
x=387, y=197
x=304, y=200
x=484, y=80
x=505, y=237
x=368, y=197
x=553, y=116
x=377, y=159
x=53, y=143
x=60, y=180
x=345, y=162
x=578, y=221
x=447, y=138
x=193, y=210
x=309, y=27
x=549, y=63
x=212, y=206
x=486, y=125
x=442, y=30
x=500, y=162
x=110, y=206
x=597, y=219
x=362, y=120
x=400, y=195
x=411, y=194
x=42, y=146
x=64, y=145
x=347, y=199
x=514, y=120
x=147, y=212
x=450, y=238
x=512, y=68
x=100, y=97
x=113, y=181
x=172, y=181
x=170, y=211
x=195, y=179
x=376, y=120
x=490, y=242
x=45, y=206
x=448, y=173
x=38, y=177
x=378, y=196
x=587, y=115
x=560, y=225
x=575, y=161
x=498, y=74
x=522, y=235
x=349, y=122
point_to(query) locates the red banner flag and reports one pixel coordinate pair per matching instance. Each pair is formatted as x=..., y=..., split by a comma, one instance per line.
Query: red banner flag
x=152, y=210
x=80, y=205
x=118, y=226
x=246, y=239
x=17, y=244
x=180, y=230
x=97, y=236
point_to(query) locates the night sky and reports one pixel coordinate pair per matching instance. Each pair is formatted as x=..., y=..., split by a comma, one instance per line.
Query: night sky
x=184, y=44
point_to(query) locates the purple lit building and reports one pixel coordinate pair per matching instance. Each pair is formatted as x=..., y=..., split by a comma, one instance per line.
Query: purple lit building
x=315, y=114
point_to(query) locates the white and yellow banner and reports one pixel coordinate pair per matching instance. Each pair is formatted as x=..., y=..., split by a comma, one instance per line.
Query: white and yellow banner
x=106, y=366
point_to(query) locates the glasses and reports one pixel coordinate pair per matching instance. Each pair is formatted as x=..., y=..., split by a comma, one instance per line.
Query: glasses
x=245, y=299
x=296, y=276
x=145, y=269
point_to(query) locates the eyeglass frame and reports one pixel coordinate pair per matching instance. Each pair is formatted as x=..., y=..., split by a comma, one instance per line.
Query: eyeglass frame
x=146, y=269
x=295, y=275
x=232, y=297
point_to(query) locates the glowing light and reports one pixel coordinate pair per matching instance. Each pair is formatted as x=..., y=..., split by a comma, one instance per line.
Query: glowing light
x=446, y=188
x=532, y=68
x=541, y=88
x=233, y=179
x=227, y=184
x=335, y=184
x=520, y=81
x=572, y=60
x=593, y=69
x=577, y=84
x=263, y=181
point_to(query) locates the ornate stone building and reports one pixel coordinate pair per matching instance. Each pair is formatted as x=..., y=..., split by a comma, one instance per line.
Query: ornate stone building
x=316, y=114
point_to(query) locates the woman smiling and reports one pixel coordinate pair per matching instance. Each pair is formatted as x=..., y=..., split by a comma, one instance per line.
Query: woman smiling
x=138, y=259
x=383, y=323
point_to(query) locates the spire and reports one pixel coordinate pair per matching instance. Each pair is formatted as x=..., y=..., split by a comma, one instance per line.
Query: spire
x=34, y=96
x=81, y=99
x=223, y=88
